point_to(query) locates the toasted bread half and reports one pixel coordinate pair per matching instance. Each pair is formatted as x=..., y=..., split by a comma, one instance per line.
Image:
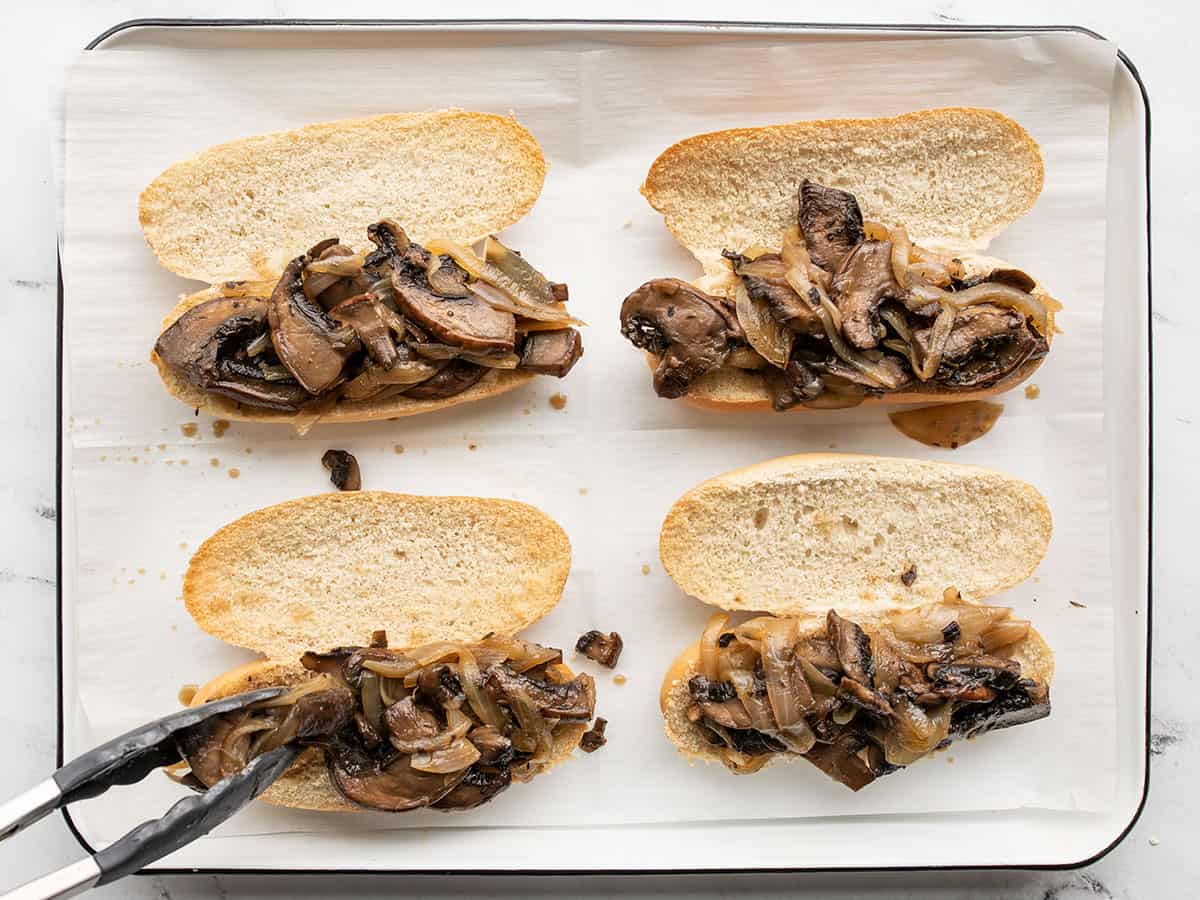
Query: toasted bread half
x=326, y=571
x=954, y=178
x=239, y=211
x=801, y=535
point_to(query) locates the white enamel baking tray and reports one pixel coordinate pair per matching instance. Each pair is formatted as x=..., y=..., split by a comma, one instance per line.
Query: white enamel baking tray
x=1008, y=839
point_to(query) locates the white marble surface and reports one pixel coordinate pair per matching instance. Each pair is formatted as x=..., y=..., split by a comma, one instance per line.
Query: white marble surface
x=1158, y=858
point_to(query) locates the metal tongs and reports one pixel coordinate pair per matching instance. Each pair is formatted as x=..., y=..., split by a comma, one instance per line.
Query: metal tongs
x=127, y=760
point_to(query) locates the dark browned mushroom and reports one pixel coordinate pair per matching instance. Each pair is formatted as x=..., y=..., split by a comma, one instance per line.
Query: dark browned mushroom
x=453, y=379
x=466, y=322
x=361, y=313
x=841, y=760
x=551, y=352
x=480, y=784
x=200, y=345
x=412, y=728
x=863, y=281
x=853, y=647
x=831, y=222
x=692, y=331
x=796, y=383
x=600, y=647
x=575, y=699
x=343, y=470
x=392, y=785
x=311, y=345
x=764, y=278
x=594, y=738
x=985, y=344
x=1026, y=702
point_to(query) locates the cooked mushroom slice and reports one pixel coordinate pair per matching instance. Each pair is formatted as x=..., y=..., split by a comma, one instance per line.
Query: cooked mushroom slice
x=439, y=686
x=765, y=281
x=453, y=379
x=831, y=222
x=843, y=760
x=202, y=747
x=551, y=352
x=575, y=699
x=200, y=344
x=1012, y=277
x=343, y=470
x=494, y=748
x=362, y=314
x=858, y=694
x=986, y=343
x=593, y=739
x=974, y=679
x=853, y=648
x=413, y=728
x=863, y=281
x=479, y=785
x=796, y=383
x=838, y=376
x=446, y=277
x=692, y=331
x=394, y=786
x=315, y=715
x=1027, y=702
x=466, y=322
x=600, y=647
x=391, y=244
x=312, y=346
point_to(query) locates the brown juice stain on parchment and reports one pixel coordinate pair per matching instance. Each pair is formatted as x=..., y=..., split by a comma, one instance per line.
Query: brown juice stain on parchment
x=558, y=401
x=219, y=427
x=398, y=449
x=235, y=472
x=619, y=679
x=214, y=462
x=1032, y=392
x=189, y=429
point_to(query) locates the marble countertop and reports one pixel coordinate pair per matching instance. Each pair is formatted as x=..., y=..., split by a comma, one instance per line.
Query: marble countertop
x=1155, y=860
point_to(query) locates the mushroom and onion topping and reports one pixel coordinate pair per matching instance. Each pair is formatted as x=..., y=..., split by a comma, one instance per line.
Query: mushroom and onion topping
x=843, y=310
x=405, y=320
x=860, y=703
x=444, y=725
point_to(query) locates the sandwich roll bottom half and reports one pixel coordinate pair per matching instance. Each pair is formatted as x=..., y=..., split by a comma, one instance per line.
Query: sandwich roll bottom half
x=870, y=644
x=843, y=263
x=394, y=621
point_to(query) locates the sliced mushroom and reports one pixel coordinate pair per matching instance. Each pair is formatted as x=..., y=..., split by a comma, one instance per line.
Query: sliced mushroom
x=765, y=279
x=392, y=786
x=574, y=700
x=1027, y=702
x=594, y=738
x=412, y=728
x=455, y=378
x=343, y=470
x=705, y=691
x=480, y=784
x=853, y=647
x=794, y=384
x=391, y=244
x=446, y=277
x=842, y=761
x=494, y=748
x=862, y=282
x=439, y=686
x=551, y=352
x=985, y=344
x=692, y=331
x=362, y=313
x=831, y=222
x=1012, y=277
x=974, y=679
x=316, y=715
x=858, y=694
x=200, y=344
x=466, y=322
x=312, y=346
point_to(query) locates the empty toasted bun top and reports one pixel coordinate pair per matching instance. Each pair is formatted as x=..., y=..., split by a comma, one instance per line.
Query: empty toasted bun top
x=240, y=210
x=802, y=534
x=954, y=178
x=326, y=571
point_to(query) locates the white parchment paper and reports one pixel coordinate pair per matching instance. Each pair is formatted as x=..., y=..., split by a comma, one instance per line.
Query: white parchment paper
x=144, y=493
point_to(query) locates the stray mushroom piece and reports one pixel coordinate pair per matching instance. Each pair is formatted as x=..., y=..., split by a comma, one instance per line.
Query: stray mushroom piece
x=343, y=471
x=690, y=330
x=594, y=738
x=601, y=648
